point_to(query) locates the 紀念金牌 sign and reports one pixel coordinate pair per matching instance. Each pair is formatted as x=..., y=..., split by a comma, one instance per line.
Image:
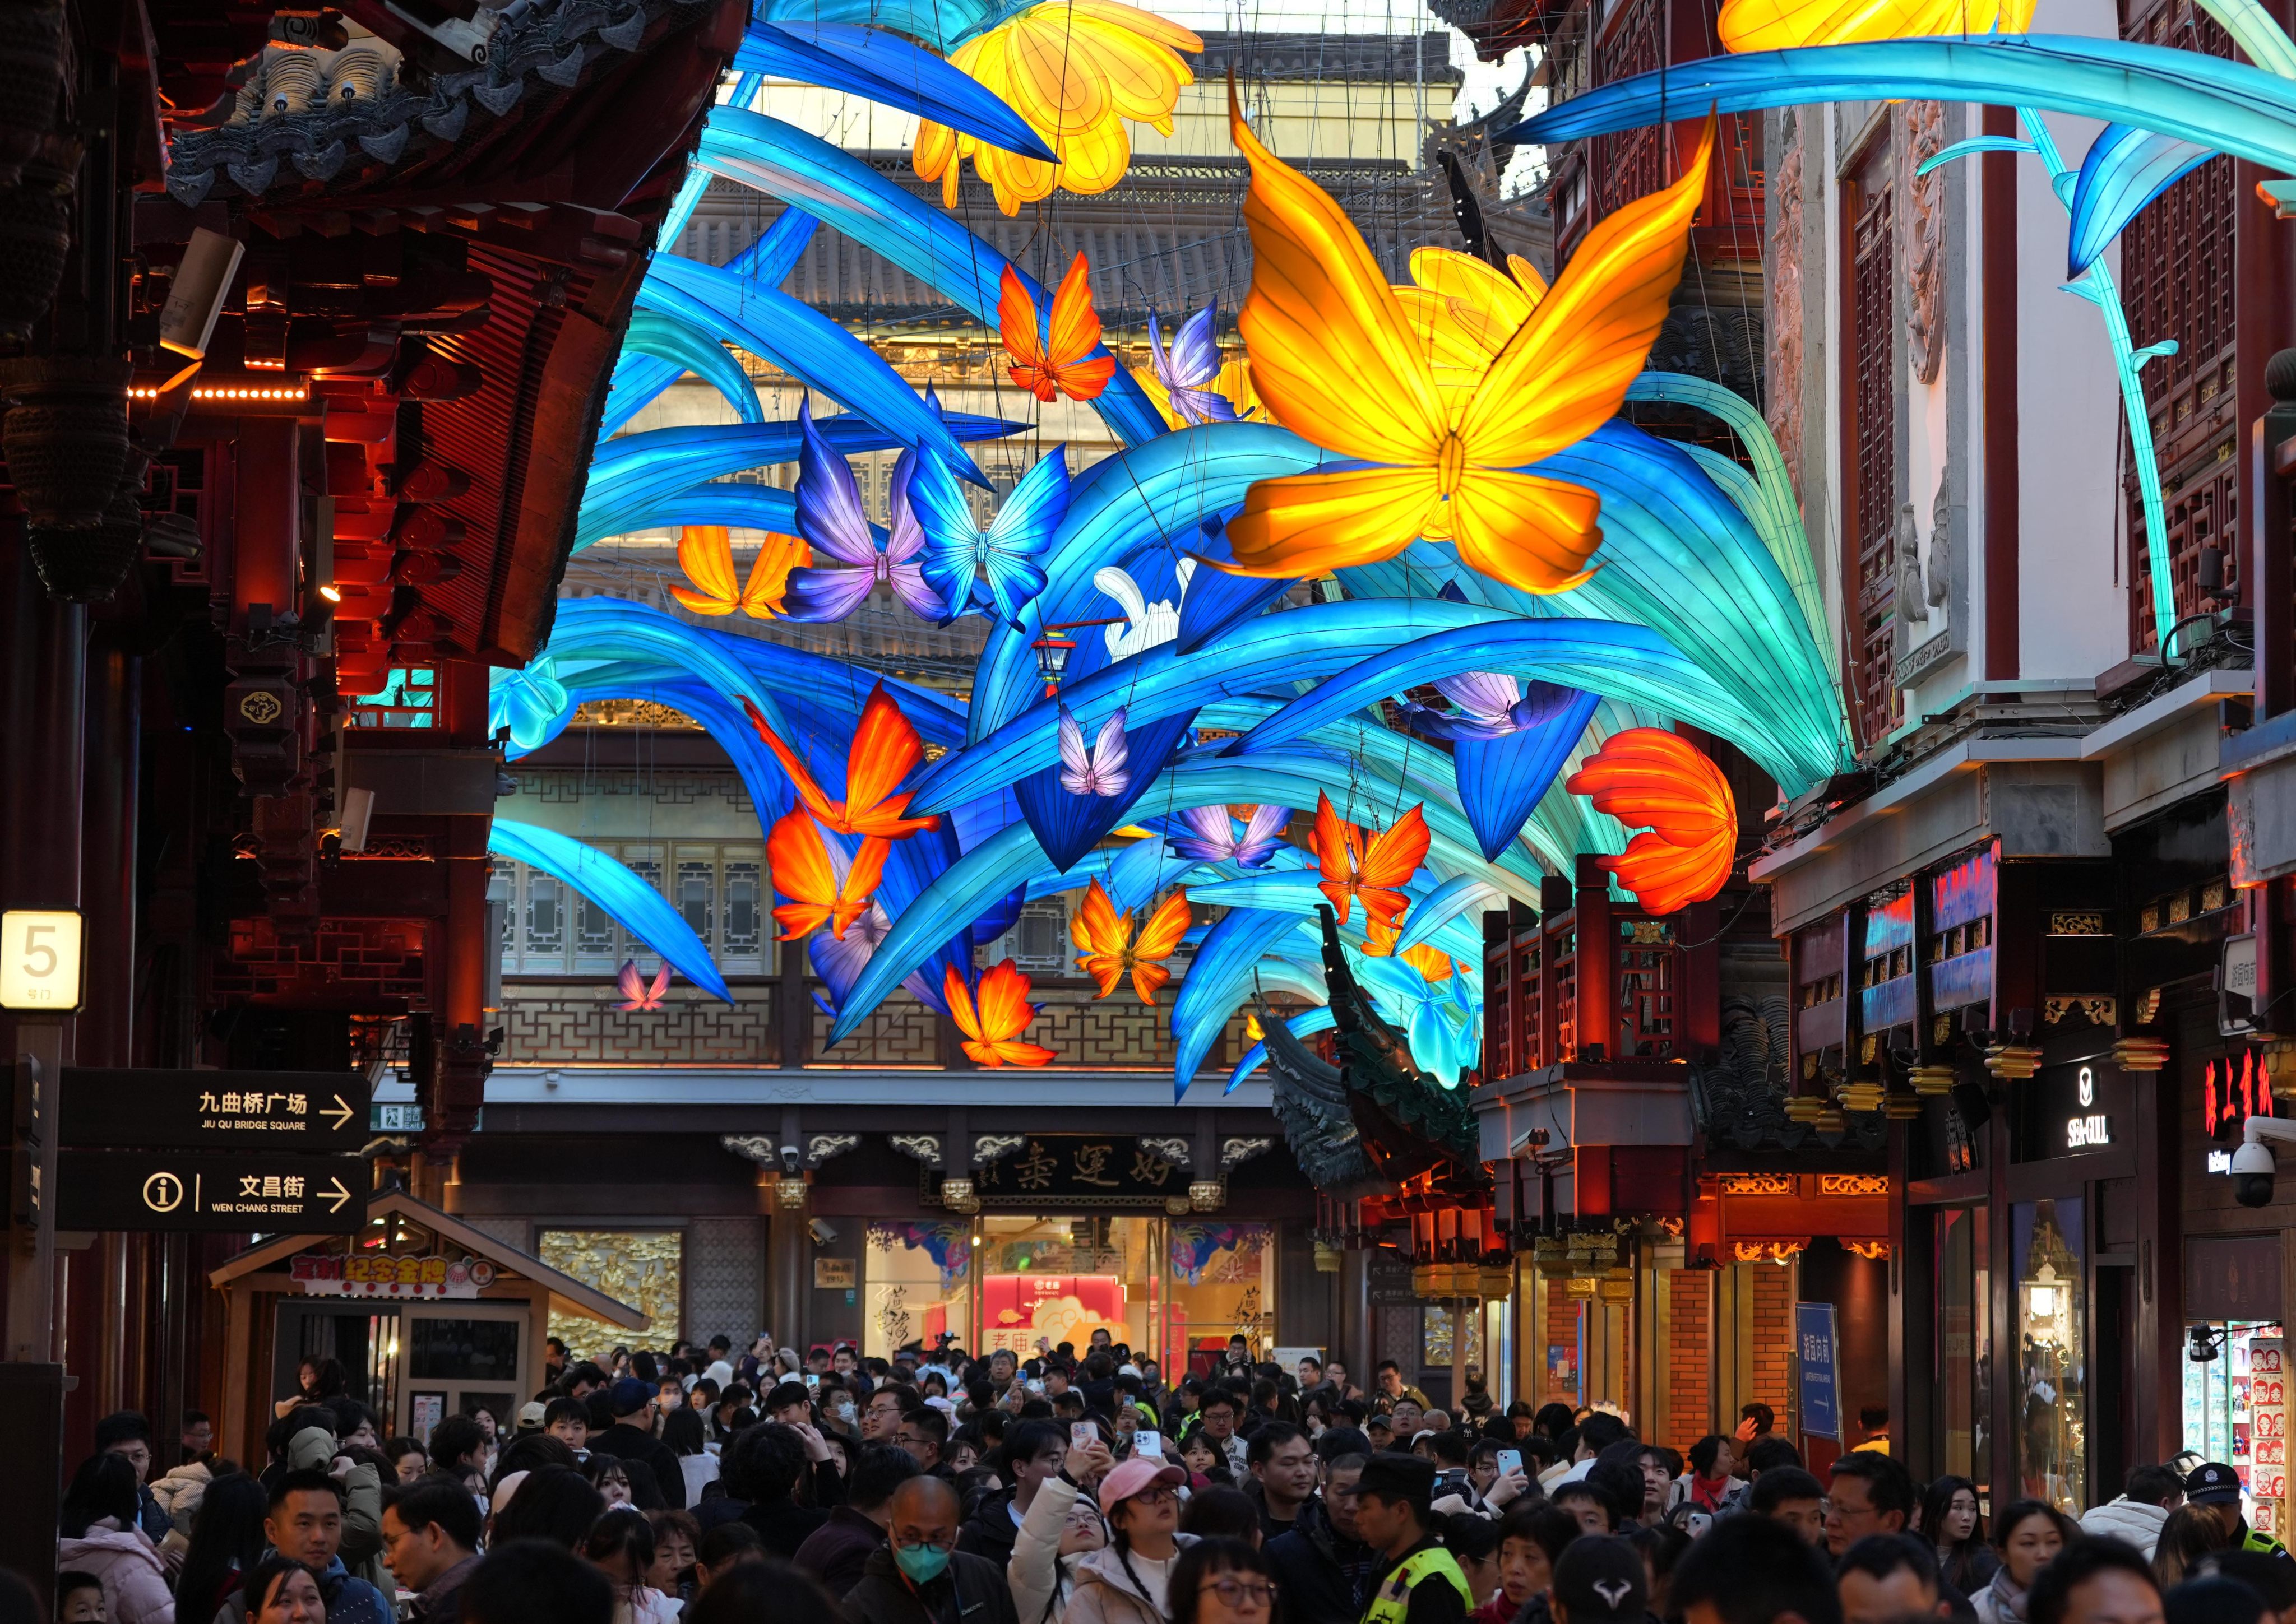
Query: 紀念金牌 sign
x=321, y=1275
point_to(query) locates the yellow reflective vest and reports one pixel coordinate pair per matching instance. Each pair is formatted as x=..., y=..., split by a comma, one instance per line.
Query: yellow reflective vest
x=1392, y=1600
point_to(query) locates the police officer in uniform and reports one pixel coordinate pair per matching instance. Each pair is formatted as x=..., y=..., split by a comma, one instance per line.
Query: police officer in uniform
x=1423, y=1584
x=2216, y=1486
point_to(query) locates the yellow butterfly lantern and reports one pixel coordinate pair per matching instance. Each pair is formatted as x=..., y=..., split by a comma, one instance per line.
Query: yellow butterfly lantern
x=705, y=552
x=1446, y=388
x=1074, y=70
x=1779, y=25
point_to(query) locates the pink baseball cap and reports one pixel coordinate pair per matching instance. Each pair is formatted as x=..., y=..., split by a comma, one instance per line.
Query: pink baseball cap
x=1131, y=1477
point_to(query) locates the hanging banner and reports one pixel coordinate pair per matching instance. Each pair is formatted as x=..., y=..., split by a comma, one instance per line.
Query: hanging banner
x=1817, y=1360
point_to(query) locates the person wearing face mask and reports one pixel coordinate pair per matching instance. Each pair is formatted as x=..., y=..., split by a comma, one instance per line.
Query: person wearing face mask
x=919, y=1576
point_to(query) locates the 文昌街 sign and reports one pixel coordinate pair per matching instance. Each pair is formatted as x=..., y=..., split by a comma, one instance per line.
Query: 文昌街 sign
x=189, y=1190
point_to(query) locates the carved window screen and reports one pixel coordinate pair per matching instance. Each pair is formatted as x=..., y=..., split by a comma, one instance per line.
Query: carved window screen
x=2177, y=282
x=1870, y=438
x=1631, y=164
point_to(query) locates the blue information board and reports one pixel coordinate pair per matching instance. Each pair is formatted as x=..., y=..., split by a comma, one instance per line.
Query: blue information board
x=1818, y=1361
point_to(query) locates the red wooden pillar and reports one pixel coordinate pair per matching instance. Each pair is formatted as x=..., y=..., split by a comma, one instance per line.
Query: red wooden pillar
x=1698, y=997
x=1558, y=919
x=1598, y=960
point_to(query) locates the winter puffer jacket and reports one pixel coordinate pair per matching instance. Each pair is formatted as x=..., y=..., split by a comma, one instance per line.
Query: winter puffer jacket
x=1042, y=1580
x=2133, y=1521
x=128, y=1565
x=179, y=1494
x=1104, y=1592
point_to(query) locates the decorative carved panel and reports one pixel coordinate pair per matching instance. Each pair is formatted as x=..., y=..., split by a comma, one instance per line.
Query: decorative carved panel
x=2177, y=282
x=1785, y=314
x=1870, y=438
x=575, y=1021
x=899, y=1031
x=1925, y=230
x=725, y=1278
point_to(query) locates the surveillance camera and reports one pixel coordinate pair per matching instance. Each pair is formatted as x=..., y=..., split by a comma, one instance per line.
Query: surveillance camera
x=788, y=1159
x=2252, y=1167
x=822, y=1230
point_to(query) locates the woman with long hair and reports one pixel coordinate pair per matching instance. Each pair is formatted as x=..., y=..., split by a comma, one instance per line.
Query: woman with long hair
x=620, y=1544
x=1224, y=1581
x=2191, y=1533
x=1952, y=1524
x=100, y=1537
x=227, y=1544
x=2029, y=1535
x=1130, y=1581
x=318, y=1381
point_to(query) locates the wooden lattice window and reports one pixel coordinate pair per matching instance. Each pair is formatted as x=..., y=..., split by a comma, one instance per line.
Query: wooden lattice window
x=1631, y=164
x=1869, y=430
x=1647, y=970
x=2177, y=282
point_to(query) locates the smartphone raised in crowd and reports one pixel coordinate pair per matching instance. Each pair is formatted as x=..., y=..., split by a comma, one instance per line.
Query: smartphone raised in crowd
x=1148, y=1443
x=1083, y=1435
x=1509, y=1462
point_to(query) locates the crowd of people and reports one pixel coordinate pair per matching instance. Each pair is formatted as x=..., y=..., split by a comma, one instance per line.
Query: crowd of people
x=1080, y=1487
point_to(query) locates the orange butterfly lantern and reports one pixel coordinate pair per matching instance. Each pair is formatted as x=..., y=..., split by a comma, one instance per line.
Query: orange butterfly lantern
x=1659, y=781
x=803, y=872
x=1430, y=962
x=992, y=1027
x=1103, y=938
x=1344, y=361
x=885, y=747
x=1053, y=357
x=1372, y=868
x=705, y=552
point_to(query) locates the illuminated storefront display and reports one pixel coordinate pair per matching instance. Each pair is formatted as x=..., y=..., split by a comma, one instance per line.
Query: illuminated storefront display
x=2052, y=1321
x=1175, y=1287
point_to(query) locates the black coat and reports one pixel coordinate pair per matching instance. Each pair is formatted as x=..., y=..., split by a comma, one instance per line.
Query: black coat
x=970, y=1591
x=838, y=1551
x=990, y=1530
x=640, y=1448
x=1323, y=1579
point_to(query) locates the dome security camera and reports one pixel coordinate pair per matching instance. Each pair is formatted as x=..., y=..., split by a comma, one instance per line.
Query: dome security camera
x=2253, y=1163
x=2252, y=1167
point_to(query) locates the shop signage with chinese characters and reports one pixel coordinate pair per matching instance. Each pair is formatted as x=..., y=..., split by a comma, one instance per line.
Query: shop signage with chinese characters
x=1050, y=1171
x=323, y=1274
x=258, y=1111
x=186, y=1191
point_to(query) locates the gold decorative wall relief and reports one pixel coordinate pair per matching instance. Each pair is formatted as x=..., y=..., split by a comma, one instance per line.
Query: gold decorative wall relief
x=643, y=1267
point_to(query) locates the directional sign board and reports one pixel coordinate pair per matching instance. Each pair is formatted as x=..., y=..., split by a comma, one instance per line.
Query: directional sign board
x=267, y=1112
x=185, y=1190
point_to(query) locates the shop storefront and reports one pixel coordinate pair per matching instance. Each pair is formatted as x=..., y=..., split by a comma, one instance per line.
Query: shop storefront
x=1174, y=1287
x=429, y=1317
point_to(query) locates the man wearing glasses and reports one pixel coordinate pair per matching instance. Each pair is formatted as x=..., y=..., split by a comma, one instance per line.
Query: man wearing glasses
x=919, y=1576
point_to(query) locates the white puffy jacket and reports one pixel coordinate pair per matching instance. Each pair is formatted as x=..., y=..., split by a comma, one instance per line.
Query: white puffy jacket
x=2133, y=1520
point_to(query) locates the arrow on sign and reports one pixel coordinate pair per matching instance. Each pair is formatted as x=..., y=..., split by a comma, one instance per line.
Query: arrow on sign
x=341, y=1114
x=335, y=1188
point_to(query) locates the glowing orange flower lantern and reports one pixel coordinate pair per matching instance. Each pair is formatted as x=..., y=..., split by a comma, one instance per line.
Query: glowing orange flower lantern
x=1650, y=778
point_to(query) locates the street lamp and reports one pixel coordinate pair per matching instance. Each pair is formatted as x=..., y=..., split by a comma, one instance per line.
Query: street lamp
x=1052, y=650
